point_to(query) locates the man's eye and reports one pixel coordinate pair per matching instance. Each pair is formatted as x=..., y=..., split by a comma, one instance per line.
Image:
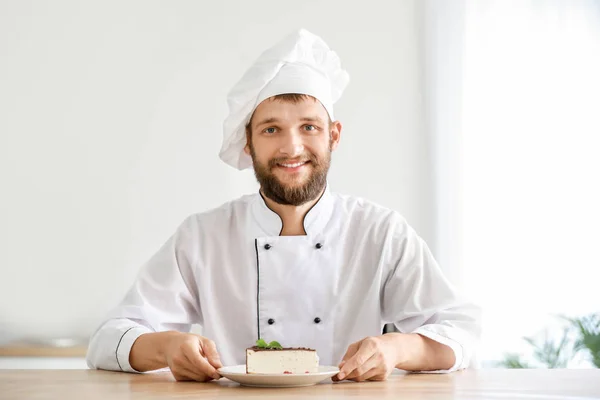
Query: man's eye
x=310, y=127
x=269, y=130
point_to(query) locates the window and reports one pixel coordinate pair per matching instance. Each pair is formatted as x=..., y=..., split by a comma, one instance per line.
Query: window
x=530, y=165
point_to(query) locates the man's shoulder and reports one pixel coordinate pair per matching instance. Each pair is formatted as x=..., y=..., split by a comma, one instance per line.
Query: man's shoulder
x=229, y=208
x=217, y=216
x=366, y=209
x=362, y=204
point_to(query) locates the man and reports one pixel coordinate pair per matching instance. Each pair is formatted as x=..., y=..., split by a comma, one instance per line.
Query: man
x=294, y=263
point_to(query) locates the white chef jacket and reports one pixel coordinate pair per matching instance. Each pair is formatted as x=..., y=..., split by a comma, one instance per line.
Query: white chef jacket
x=358, y=267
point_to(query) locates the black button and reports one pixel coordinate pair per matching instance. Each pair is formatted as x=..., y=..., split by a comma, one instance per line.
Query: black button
x=267, y=246
x=318, y=245
x=317, y=320
x=271, y=321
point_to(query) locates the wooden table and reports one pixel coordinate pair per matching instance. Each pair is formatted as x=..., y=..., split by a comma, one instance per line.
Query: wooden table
x=469, y=384
x=30, y=350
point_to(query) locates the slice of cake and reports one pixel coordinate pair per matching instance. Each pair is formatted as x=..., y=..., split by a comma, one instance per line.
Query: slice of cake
x=272, y=358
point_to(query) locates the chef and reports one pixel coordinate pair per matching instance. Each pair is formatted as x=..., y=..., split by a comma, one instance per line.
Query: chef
x=295, y=262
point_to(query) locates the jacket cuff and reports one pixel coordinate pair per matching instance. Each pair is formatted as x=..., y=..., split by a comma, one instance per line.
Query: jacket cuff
x=453, y=344
x=125, y=344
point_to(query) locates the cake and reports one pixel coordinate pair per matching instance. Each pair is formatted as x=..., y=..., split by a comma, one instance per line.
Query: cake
x=272, y=358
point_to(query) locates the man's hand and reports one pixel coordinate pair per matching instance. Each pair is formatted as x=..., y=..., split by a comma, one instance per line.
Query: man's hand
x=192, y=357
x=189, y=356
x=374, y=358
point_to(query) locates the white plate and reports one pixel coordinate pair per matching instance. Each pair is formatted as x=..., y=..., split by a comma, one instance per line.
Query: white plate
x=237, y=373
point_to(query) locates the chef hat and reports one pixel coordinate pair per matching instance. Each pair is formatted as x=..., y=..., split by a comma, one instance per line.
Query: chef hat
x=301, y=63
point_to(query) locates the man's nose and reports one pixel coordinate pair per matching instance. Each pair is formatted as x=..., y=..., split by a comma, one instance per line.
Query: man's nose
x=292, y=145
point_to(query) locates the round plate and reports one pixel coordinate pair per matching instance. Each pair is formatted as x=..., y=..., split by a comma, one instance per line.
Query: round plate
x=237, y=373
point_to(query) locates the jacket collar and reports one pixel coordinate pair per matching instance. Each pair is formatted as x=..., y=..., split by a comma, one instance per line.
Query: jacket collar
x=315, y=220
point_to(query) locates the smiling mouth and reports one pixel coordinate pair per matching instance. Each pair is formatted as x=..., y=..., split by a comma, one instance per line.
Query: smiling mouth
x=292, y=166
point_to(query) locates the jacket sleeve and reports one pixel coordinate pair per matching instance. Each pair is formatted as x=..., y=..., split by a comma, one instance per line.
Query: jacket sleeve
x=163, y=297
x=417, y=297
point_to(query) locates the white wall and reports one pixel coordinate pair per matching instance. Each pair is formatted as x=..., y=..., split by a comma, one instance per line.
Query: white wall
x=110, y=125
x=442, y=38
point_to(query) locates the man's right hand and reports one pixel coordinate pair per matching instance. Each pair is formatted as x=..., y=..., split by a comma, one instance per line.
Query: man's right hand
x=189, y=356
x=192, y=357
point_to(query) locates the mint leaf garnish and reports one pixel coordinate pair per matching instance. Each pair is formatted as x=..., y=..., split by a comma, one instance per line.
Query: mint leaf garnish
x=261, y=344
x=275, y=345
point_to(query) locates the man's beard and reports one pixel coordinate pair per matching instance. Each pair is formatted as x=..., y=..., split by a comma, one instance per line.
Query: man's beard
x=295, y=195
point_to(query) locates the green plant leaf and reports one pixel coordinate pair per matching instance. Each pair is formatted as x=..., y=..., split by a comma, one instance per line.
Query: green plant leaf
x=581, y=334
x=588, y=329
x=275, y=345
x=513, y=360
x=550, y=353
x=261, y=344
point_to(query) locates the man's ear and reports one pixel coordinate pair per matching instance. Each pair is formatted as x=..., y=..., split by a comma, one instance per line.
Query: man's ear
x=335, y=132
x=248, y=139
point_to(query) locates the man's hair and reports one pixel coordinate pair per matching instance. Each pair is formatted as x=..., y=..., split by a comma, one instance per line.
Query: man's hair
x=293, y=98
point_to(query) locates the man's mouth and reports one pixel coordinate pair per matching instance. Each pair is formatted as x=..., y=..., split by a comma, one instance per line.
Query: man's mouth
x=293, y=166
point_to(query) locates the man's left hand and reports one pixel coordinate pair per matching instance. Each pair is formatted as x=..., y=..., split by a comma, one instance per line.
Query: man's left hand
x=372, y=358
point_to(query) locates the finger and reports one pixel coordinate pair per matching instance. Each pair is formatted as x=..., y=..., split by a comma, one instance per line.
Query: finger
x=376, y=374
x=210, y=351
x=335, y=378
x=350, y=352
x=200, y=364
x=372, y=366
x=185, y=374
x=181, y=373
x=364, y=352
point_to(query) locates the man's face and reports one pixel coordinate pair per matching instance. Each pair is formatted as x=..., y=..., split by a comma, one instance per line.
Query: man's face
x=290, y=144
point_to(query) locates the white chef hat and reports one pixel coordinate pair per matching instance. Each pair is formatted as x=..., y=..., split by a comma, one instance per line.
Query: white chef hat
x=300, y=63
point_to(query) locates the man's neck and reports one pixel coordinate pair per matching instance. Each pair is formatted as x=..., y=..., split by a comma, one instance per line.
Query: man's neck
x=292, y=216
